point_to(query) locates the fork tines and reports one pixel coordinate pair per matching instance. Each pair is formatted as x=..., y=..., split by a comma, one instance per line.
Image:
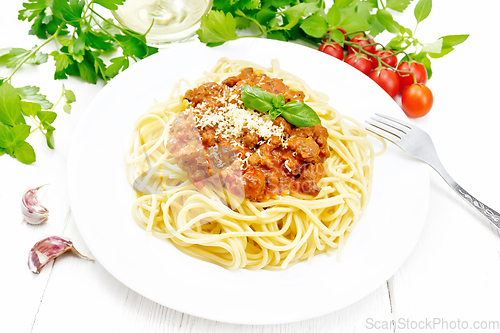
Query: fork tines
x=389, y=128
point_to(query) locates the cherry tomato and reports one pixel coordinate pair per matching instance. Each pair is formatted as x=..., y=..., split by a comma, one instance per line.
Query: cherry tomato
x=391, y=61
x=387, y=79
x=332, y=49
x=359, y=61
x=406, y=79
x=362, y=40
x=417, y=100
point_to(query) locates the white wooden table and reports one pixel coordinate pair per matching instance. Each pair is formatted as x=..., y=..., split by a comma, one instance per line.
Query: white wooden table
x=451, y=280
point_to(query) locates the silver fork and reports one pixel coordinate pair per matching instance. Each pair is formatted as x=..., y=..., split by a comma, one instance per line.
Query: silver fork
x=418, y=144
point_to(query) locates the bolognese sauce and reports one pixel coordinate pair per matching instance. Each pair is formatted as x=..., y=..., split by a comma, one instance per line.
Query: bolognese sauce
x=216, y=134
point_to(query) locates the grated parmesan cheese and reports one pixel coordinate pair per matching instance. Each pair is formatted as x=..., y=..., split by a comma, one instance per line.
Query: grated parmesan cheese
x=231, y=119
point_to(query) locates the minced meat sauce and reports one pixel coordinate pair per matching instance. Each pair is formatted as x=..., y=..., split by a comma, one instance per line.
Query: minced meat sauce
x=246, y=149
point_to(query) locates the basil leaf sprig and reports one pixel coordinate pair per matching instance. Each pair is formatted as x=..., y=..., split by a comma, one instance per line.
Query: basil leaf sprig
x=296, y=113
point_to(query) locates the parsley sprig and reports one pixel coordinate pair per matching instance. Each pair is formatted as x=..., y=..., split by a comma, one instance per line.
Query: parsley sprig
x=80, y=37
x=295, y=112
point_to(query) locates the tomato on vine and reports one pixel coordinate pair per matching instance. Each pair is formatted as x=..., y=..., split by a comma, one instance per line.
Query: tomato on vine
x=362, y=41
x=407, y=79
x=387, y=79
x=332, y=49
x=359, y=61
x=417, y=100
x=388, y=57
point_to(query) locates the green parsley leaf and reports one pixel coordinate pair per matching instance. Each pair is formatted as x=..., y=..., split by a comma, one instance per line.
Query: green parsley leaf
x=422, y=10
x=397, y=5
x=70, y=12
x=25, y=153
x=17, y=55
x=10, y=106
x=264, y=15
x=98, y=41
x=300, y=114
x=117, y=64
x=217, y=27
x=110, y=4
x=32, y=9
x=30, y=93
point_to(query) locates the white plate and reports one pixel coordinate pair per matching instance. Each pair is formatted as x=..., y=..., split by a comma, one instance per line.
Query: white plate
x=101, y=198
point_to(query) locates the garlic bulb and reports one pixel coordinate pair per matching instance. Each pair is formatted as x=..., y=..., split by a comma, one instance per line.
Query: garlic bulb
x=33, y=211
x=47, y=250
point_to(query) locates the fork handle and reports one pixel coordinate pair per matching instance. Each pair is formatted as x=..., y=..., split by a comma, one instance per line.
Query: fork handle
x=486, y=211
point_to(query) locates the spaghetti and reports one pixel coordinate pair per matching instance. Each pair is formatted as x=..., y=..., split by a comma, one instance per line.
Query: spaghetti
x=237, y=231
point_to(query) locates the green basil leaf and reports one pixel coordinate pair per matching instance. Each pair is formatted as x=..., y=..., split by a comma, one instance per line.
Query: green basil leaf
x=20, y=133
x=334, y=16
x=300, y=114
x=385, y=18
x=338, y=37
x=25, y=153
x=454, y=40
x=69, y=95
x=274, y=113
x=315, y=26
x=30, y=109
x=434, y=47
x=49, y=137
x=47, y=116
x=256, y=98
x=422, y=10
x=10, y=105
x=6, y=139
x=278, y=101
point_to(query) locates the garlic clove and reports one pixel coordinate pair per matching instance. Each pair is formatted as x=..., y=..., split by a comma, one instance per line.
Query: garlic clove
x=32, y=209
x=47, y=250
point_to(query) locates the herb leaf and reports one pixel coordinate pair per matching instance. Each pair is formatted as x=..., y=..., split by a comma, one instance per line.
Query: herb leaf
x=295, y=112
x=217, y=28
x=422, y=10
x=256, y=98
x=30, y=93
x=300, y=114
x=10, y=106
x=315, y=26
x=25, y=153
x=398, y=5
